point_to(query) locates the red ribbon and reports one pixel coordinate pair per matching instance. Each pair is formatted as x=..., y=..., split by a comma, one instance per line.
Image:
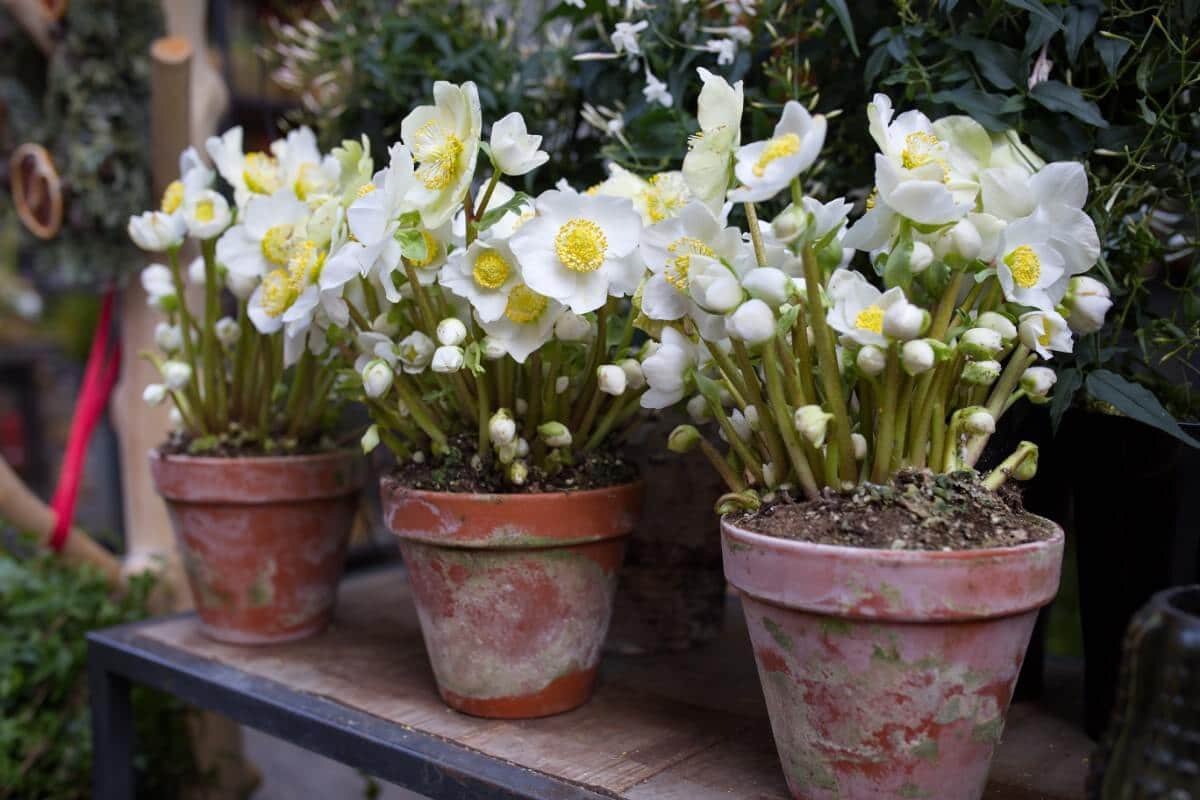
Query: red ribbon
x=99, y=378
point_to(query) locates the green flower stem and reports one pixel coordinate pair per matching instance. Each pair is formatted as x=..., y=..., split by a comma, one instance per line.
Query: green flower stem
x=885, y=436
x=428, y=319
x=795, y=389
x=919, y=419
x=533, y=414
x=626, y=336
x=312, y=415
x=1004, y=470
x=549, y=395
x=266, y=388
x=420, y=412
x=483, y=202
x=723, y=469
x=185, y=412
x=357, y=318
x=1009, y=379
x=733, y=376
x=189, y=350
x=484, y=443
x=757, y=398
x=214, y=362
x=827, y=363
x=595, y=354
x=369, y=296
x=760, y=252
x=749, y=459
x=300, y=389
x=589, y=415
x=904, y=404
x=466, y=399
x=237, y=382
x=803, y=355
x=937, y=438
x=946, y=306
x=615, y=411
x=787, y=428
x=504, y=382
x=399, y=448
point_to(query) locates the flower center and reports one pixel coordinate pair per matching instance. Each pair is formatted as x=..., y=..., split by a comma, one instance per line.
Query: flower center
x=309, y=181
x=682, y=250
x=1025, y=265
x=870, y=319
x=364, y=190
x=779, y=147
x=204, y=211
x=173, y=197
x=276, y=292
x=581, y=245
x=525, y=305
x=438, y=150
x=276, y=244
x=1044, y=339
x=872, y=198
x=431, y=251
x=491, y=270
x=261, y=173
x=665, y=196
x=918, y=149
x=304, y=267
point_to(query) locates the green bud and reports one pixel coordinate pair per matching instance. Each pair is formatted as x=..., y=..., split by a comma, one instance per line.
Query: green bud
x=683, y=438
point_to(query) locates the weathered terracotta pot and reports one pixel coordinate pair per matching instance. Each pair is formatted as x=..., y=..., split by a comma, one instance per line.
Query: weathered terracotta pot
x=262, y=539
x=888, y=673
x=514, y=592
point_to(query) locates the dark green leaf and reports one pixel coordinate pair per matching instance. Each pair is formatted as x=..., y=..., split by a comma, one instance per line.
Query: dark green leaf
x=1078, y=22
x=1111, y=50
x=1041, y=28
x=1035, y=9
x=978, y=104
x=1057, y=96
x=1065, y=389
x=1136, y=402
x=999, y=64
x=843, y=15
x=493, y=215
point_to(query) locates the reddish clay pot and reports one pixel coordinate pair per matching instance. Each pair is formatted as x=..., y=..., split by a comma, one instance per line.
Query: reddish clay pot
x=888, y=673
x=262, y=539
x=514, y=592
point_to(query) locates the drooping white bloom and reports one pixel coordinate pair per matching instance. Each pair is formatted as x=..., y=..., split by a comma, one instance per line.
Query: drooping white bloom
x=451, y=332
x=444, y=140
x=812, y=422
x=1087, y=301
x=765, y=168
x=483, y=274
x=572, y=327
x=176, y=374
x=526, y=324
x=206, y=214
x=917, y=356
x=635, y=378
x=706, y=167
x=156, y=231
x=979, y=421
x=248, y=173
x=502, y=429
x=1045, y=332
x=1038, y=381
x=168, y=337
x=377, y=378
x=920, y=258
x=611, y=379
x=447, y=359
x=753, y=322
x=998, y=323
x=666, y=369
x=981, y=343
x=159, y=287
x=302, y=167
x=903, y=320
x=858, y=308
x=871, y=360
x=577, y=249
x=516, y=151
x=725, y=49
x=415, y=351
x=154, y=394
x=772, y=286
x=714, y=285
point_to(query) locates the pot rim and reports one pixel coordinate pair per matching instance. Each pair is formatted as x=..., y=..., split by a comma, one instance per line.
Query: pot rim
x=339, y=453
x=389, y=482
x=253, y=480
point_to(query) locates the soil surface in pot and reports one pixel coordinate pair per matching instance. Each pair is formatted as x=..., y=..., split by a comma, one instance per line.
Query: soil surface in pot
x=231, y=445
x=454, y=473
x=918, y=511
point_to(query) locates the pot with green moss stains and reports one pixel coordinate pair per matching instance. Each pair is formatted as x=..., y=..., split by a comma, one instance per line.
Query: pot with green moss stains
x=514, y=592
x=263, y=540
x=888, y=673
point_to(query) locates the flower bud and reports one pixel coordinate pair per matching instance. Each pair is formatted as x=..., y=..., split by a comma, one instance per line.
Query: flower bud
x=751, y=414
x=175, y=418
x=154, y=394
x=522, y=447
x=741, y=426
x=196, y=271
x=981, y=344
x=1037, y=383
x=168, y=337
x=697, y=408
x=812, y=422
x=753, y=322
x=790, y=224
x=521, y=406
x=770, y=478
x=771, y=285
x=176, y=374
x=871, y=360
x=502, y=430
x=611, y=379
x=227, y=332
x=966, y=239
x=451, y=332
x=981, y=373
x=920, y=258
x=635, y=376
x=555, y=434
x=385, y=324
x=561, y=383
x=377, y=378
x=518, y=473
x=370, y=439
x=415, y=352
x=998, y=323
x=917, y=356
x=507, y=453
x=860, y=446
x=978, y=421
x=447, y=358
x=905, y=321
x=683, y=439
x=1026, y=468
x=572, y=327
x=1087, y=301
x=493, y=348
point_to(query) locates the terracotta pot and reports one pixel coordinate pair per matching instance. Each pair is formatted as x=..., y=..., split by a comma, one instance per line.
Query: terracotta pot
x=262, y=539
x=514, y=592
x=888, y=673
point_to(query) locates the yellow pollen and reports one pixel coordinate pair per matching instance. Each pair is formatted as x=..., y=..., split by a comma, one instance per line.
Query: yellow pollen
x=1025, y=265
x=491, y=270
x=779, y=147
x=661, y=201
x=438, y=151
x=277, y=244
x=364, y=190
x=307, y=181
x=173, y=197
x=593, y=190
x=918, y=149
x=525, y=305
x=581, y=245
x=683, y=249
x=261, y=173
x=276, y=292
x=872, y=198
x=204, y=211
x=304, y=267
x=870, y=319
x=431, y=251
x=1044, y=339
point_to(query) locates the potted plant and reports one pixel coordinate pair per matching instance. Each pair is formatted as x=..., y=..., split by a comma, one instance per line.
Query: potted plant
x=889, y=590
x=261, y=496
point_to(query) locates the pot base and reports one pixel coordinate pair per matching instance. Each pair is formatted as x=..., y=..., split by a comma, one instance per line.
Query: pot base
x=227, y=635
x=563, y=694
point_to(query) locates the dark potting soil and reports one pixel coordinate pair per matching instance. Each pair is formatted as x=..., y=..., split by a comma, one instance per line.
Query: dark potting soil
x=181, y=444
x=917, y=511
x=454, y=473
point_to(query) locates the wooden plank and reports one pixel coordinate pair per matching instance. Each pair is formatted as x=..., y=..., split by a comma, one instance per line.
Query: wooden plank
x=683, y=726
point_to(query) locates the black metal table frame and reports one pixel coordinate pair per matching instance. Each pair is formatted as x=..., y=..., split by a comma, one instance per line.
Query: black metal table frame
x=428, y=764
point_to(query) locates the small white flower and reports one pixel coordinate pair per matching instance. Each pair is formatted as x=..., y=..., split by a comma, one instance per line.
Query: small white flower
x=1029, y=266
x=655, y=91
x=502, y=430
x=1045, y=332
x=155, y=231
x=262, y=240
x=1038, y=381
x=998, y=323
x=903, y=321
x=176, y=374
x=871, y=360
x=724, y=48
x=206, y=214
x=514, y=149
x=714, y=286
x=812, y=422
x=965, y=239
x=154, y=394
x=706, y=165
x=765, y=168
x=625, y=37
x=444, y=140
x=377, y=378
x=858, y=308
x=697, y=409
x=981, y=343
x=415, y=352
x=447, y=359
x=483, y=274
x=753, y=322
x=740, y=425
x=168, y=337
x=917, y=356
x=227, y=331
x=572, y=327
x=1087, y=301
x=635, y=378
x=667, y=368
x=772, y=286
x=979, y=422
x=981, y=373
x=370, y=439
x=526, y=324
x=860, y=446
x=451, y=332
x=611, y=379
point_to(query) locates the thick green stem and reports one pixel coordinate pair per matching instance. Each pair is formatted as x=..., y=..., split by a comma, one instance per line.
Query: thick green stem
x=946, y=306
x=731, y=478
x=750, y=459
x=214, y=372
x=885, y=436
x=616, y=411
x=187, y=326
x=827, y=363
x=760, y=252
x=369, y=297
x=484, y=443
x=787, y=428
x=1004, y=470
x=803, y=354
x=420, y=413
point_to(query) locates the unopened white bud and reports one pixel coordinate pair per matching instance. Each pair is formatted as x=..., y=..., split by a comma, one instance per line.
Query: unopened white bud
x=176, y=374
x=917, y=356
x=635, y=377
x=611, y=379
x=871, y=360
x=860, y=446
x=377, y=378
x=506, y=453
x=386, y=325
x=1087, y=302
x=753, y=322
x=451, y=332
x=751, y=414
x=683, y=438
x=447, y=358
x=768, y=284
x=555, y=434
x=769, y=475
x=697, y=409
x=493, y=348
x=154, y=394
x=812, y=422
x=522, y=447
x=572, y=327
x=981, y=373
x=1037, y=383
x=998, y=323
x=561, y=384
x=418, y=457
x=741, y=426
x=502, y=429
x=518, y=473
x=979, y=421
x=370, y=439
x=168, y=337
x=905, y=321
x=175, y=418
x=966, y=239
x=981, y=344
x=227, y=332
x=920, y=258
x=521, y=406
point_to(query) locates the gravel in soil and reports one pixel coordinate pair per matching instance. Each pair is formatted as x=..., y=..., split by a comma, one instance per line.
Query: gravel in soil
x=917, y=511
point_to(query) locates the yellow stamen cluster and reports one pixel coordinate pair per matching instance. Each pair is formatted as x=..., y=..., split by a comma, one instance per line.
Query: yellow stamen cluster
x=172, y=198
x=204, y=211
x=662, y=198
x=870, y=319
x=261, y=173
x=525, y=305
x=277, y=244
x=1025, y=265
x=872, y=198
x=779, y=147
x=431, y=251
x=308, y=181
x=304, y=267
x=439, y=152
x=1044, y=339
x=490, y=270
x=364, y=190
x=581, y=245
x=918, y=149
x=682, y=250
x=593, y=190
x=277, y=293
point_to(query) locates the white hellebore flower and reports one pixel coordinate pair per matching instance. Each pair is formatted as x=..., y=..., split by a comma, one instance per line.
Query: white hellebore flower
x=168, y=337
x=635, y=378
x=483, y=274
x=772, y=286
x=858, y=308
x=765, y=168
x=447, y=358
x=1045, y=332
x=998, y=323
x=444, y=140
x=666, y=370
x=903, y=320
x=812, y=422
x=981, y=344
x=176, y=374
x=156, y=231
x=706, y=165
x=1038, y=381
x=302, y=167
x=871, y=360
x=262, y=241
x=1087, y=302
x=415, y=352
x=160, y=287
x=1028, y=264
x=206, y=214
x=451, y=332
x=920, y=258
x=979, y=421
x=502, y=429
x=753, y=322
x=611, y=379
x=514, y=149
x=917, y=356
x=579, y=250
x=154, y=394
x=248, y=173
x=227, y=332
x=655, y=91
x=697, y=409
x=377, y=378
x=526, y=323
x=572, y=327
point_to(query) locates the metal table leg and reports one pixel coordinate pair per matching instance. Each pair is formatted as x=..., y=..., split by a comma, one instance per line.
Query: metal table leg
x=112, y=733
